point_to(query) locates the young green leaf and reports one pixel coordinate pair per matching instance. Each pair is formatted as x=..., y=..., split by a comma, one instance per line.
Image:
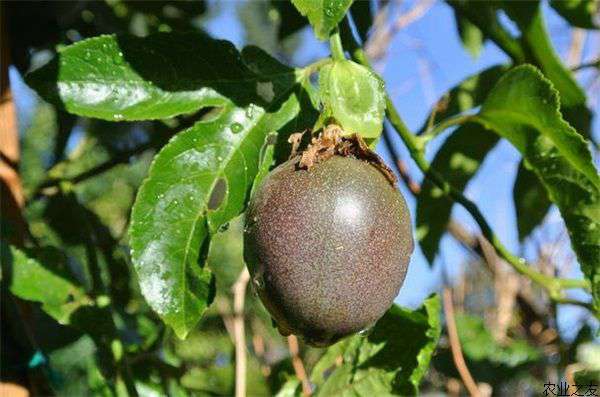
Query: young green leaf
x=323, y=15
x=354, y=97
x=197, y=183
x=47, y=282
x=531, y=201
x=391, y=360
x=524, y=109
x=458, y=160
x=131, y=78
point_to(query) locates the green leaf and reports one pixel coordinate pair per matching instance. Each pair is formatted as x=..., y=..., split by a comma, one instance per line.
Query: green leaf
x=323, y=15
x=354, y=96
x=580, y=13
x=458, y=160
x=488, y=360
x=524, y=109
x=540, y=52
x=470, y=35
x=46, y=281
x=384, y=362
x=362, y=15
x=468, y=94
x=290, y=20
x=478, y=344
x=291, y=388
x=159, y=76
x=531, y=201
x=267, y=159
x=197, y=183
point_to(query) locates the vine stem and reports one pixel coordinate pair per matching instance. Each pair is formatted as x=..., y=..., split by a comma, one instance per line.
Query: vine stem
x=416, y=147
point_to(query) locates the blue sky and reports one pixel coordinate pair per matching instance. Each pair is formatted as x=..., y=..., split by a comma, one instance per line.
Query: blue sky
x=431, y=43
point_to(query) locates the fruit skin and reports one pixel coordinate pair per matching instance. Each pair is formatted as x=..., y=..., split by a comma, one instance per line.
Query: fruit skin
x=327, y=248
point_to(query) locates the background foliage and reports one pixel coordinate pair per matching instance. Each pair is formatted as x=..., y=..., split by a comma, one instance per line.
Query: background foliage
x=119, y=270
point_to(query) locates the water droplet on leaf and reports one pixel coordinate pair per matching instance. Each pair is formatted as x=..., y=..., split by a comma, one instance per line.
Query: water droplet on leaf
x=236, y=127
x=118, y=58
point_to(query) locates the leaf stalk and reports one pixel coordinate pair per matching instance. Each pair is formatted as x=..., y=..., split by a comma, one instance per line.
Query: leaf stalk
x=335, y=44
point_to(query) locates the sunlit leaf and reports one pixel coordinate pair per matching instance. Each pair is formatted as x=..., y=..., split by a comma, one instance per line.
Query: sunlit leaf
x=46, y=280
x=323, y=15
x=196, y=184
x=540, y=52
x=524, y=109
x=159, y=76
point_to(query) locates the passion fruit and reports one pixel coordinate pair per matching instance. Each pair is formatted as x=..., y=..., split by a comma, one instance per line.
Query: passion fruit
x=327, y=247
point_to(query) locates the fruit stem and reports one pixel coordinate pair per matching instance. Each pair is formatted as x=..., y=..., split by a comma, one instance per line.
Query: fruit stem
x=415, y=146
x=335, y=44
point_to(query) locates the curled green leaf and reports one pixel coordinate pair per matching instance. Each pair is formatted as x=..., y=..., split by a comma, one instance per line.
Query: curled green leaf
x=354, y=97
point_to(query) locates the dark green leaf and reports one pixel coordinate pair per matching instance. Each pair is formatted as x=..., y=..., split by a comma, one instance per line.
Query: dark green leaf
x=362, y=15
x=36, y=144
x=524, y=109
x=290, y=20
x=468, y=94
x=323, y=15
x=48, y=283
x=197, y=183
x=531, y=201
x=160, y=76
x=470, y=35
x=458, y=160
x=383, y=363
x=580, y=13
x=354, y=97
